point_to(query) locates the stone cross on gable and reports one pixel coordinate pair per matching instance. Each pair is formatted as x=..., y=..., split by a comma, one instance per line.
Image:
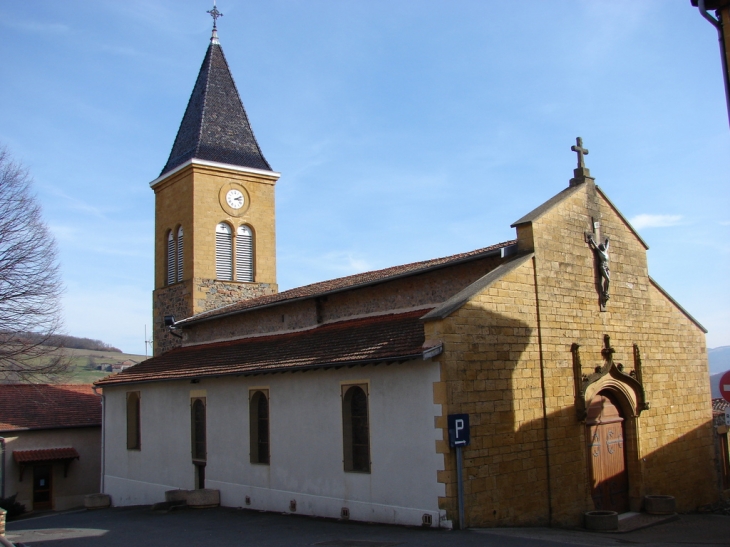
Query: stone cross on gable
x=578, y=148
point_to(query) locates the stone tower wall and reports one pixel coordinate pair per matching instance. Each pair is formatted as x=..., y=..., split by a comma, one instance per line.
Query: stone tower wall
x=194, y=198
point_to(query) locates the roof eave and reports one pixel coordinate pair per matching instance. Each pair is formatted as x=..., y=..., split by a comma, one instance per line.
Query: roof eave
x=425, y=355
x=22, y=429
x=459, y=299
x=622, y=217
x=194, y=161
x=677, y=304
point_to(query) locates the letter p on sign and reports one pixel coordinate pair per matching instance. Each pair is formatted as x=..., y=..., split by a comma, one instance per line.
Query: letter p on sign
x=458, y=430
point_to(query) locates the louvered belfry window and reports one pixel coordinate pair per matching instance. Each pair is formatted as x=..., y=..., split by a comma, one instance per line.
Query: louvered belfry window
x=244, y=254
x=180, y=254
x=170, y=258
x=223, y=252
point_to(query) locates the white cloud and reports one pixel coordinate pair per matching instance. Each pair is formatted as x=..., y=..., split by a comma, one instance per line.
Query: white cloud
x=64, y=232
x=38, y=27
x=655, y=221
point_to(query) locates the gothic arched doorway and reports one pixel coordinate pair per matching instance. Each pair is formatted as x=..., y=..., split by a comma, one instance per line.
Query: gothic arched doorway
x=605, y=433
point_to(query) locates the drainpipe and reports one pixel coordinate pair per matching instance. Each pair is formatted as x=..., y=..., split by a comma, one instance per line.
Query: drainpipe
x=723, y=54
x=103, y=444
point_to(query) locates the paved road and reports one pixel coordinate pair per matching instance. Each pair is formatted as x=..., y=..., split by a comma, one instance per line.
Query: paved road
x=139, y=527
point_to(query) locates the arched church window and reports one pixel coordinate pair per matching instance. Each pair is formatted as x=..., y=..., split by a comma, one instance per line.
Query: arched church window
x=244, y=254
x=223, y=252
x=198, y=430
x=356, y=429
x=259, y=426
x=199, y=444
x=133, y=429
x=179, y=253
x=170, y=258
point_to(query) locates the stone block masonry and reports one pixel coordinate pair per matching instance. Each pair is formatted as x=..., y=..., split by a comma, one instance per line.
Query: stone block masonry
x=205, y=294
x=507, y=363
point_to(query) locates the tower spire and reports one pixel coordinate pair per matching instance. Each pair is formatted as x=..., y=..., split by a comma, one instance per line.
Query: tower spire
x=215, y=14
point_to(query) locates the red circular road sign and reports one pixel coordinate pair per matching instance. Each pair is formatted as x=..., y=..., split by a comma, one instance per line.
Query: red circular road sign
x=725, y=386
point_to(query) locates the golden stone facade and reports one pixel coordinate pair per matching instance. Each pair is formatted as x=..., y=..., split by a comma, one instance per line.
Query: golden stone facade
x=507, y=362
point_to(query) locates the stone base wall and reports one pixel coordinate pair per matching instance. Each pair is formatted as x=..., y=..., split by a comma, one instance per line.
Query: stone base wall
x=175, y=300
x=187, y=298
x=211, y=294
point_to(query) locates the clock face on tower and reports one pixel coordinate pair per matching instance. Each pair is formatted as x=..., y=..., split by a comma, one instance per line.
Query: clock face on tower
x=234, y=199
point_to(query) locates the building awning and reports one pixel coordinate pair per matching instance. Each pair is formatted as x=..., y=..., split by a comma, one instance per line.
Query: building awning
x=65, y=454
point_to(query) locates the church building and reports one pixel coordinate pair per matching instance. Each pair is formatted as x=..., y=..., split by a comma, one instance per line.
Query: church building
x=585, y=383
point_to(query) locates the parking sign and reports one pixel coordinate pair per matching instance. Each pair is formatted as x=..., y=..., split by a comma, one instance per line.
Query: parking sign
x=458, y=430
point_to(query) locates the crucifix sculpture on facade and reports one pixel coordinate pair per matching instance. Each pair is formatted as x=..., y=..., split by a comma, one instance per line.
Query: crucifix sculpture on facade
x=601, y=252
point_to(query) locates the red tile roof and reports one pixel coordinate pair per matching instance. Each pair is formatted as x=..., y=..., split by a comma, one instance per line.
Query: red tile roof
x=46, y=406
x=45, y=454
x=393, y=337
x=719, y=405
x=345, y=283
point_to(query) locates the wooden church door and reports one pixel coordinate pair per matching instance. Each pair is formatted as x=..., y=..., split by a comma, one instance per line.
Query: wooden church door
x=606, y=455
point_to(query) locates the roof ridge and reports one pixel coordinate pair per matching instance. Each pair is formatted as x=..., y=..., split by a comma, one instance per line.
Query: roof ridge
x=209, y=59
x=398, y=270
x=343, y=323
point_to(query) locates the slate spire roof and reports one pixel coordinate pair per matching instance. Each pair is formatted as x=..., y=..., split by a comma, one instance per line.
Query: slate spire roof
x=215, y=126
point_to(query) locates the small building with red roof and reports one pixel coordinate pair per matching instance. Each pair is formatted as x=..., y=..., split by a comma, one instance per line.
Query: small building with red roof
x=50, y=435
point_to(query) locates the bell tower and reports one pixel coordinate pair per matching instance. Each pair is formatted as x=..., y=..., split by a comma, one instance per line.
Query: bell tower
x=215, y=237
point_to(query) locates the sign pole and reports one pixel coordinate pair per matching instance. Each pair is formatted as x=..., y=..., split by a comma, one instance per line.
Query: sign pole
x=459, y=437
x=460, y=487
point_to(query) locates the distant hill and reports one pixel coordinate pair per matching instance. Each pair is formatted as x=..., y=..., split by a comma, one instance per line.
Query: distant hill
x=87, y=365
x=719, y=359
x=715, y=385
x=66, y=341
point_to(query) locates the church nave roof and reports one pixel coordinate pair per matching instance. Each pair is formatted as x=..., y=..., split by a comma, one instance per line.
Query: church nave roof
x=379, y=339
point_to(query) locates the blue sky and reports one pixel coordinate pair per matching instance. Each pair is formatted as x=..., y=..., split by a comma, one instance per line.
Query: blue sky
x=404, y=130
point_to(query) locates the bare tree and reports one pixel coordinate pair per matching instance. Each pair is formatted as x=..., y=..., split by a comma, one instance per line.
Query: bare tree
x=30, y=285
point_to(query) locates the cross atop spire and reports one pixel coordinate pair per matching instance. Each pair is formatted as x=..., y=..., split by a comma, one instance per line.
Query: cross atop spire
x=215, y=14
x=578, y=148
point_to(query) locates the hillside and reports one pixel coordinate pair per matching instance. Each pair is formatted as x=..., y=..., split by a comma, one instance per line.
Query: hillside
x=719, y=359
x=85, y=364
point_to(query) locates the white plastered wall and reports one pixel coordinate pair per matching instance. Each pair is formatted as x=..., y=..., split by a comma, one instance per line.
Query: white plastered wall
x=305, y=444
